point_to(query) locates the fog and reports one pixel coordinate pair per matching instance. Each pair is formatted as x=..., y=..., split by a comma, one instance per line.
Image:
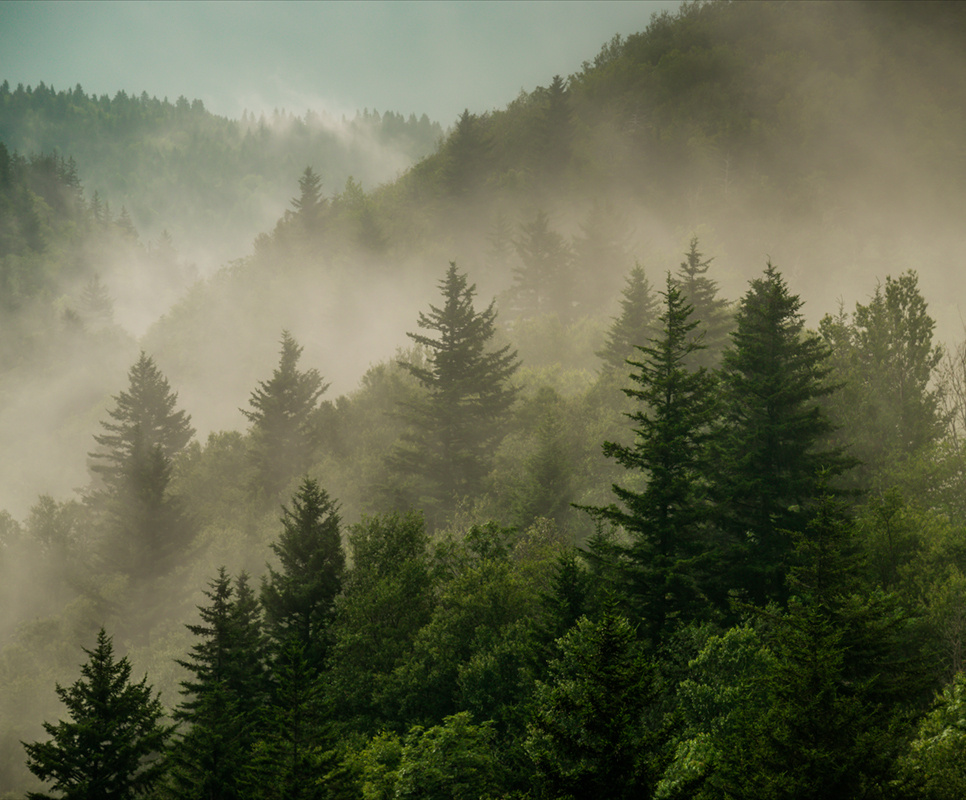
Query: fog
x=217, y=272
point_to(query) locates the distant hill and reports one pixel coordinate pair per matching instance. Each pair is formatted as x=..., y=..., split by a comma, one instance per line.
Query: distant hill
x=211, y=182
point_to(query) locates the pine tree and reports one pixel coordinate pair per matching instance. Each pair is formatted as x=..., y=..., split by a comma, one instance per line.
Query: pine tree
x=299, y=599
x=146, y=531
x=773, y=379
x=283, y=422
x=456, y=425
x=544, y=282
x=672, y=424
x=110, y=748
x=590, y=735
x=636, y=324
x=222, y=698
x=310, y=204
x=713, y=312
x=287, y=760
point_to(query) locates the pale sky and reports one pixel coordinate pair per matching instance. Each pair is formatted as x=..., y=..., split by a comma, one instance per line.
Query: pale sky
x=411, y=57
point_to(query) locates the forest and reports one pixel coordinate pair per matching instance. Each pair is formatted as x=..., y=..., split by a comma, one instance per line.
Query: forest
x=611, y=444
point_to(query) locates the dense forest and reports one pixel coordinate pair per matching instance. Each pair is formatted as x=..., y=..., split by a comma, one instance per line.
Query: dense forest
x=616, y=448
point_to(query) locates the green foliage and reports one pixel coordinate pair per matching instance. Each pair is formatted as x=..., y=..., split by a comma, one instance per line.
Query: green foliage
x=223, y=696
x=110, y=748
x=299, y=599
x=933, y=767
x=386, y=600
x=592, y=734
x=886, y=360
x=636, y=324
x=770, y=441
x=672, y=422
x=145, y=533
x=457, y=424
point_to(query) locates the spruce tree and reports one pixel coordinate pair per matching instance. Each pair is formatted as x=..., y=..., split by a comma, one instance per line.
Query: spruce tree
x=666, y=519
x=769, y=444
x=110, y=747
x=636, y=324
x=543, y=284
x=299, y=598
x=283, y=421
x=456, y=424
x=713, y=312
x=146, y=533
x=222, y=698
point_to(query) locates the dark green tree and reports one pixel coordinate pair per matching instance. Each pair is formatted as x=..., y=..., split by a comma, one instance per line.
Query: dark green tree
x=146, y=533
x=299, y=598
x=593, y=733
x=456, y=424
x=636, y=325
x=110, y=748
x=284, y=433
x=224, y=695
x=770, y=451
x=287, y=760
x=388, y=598
x=666, y=520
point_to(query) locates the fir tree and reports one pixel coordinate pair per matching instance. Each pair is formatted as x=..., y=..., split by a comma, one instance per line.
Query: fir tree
x=299, y=598
x=146, y=532
x=666, y=519
x=110, y=747
x=636, y=324
x=769, y=444
x=222, y=698
x=283, y=422
x=713, y=312
x=455, y=426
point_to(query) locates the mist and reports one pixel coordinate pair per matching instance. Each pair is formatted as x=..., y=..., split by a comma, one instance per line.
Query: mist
x=826, y=140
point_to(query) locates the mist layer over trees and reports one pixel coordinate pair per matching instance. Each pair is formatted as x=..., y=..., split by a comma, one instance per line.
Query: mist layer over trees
x=613, y=449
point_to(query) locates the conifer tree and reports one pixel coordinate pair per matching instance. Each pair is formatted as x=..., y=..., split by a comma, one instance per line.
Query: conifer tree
x=712, y=311
x=299, y=598
x=636, y=324
x=146, y=532
x=544, y=282
x=110, y=747
x=283, y=424
x=770, y=440
x=672, y=424
x=222, y=698
x=456, y=425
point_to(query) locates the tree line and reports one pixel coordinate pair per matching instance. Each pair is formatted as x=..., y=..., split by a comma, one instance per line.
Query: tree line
x=760, y=607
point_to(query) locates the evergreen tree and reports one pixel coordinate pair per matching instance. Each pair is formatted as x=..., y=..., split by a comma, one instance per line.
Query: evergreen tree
x=544, y=282
x=283, y=420
x=310, y=203
x=672, y=424
x=636, y=324
x=287, y=760
x=591, y=735
x=110, y=748
x=299, y=599
x=223, y=696
x=773, y=378
x=456, y=425
x=146, y=532
x=713, y=312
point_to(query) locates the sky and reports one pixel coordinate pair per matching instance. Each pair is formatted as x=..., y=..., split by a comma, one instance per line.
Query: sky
x=433, y=57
